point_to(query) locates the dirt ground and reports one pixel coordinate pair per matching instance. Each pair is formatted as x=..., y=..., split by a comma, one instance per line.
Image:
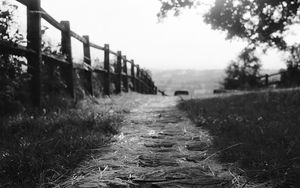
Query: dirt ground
x=158, y=146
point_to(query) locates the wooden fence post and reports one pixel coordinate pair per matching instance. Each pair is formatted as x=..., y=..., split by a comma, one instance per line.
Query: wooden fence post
x=148, y=84
x=155, y=90
x=153, y=87
x=145, y=82
x=267, y=80
x=119, y=72
x=142, y=81
x=125, y=78
x=133, y=75
x=138, y=75
x=67, y=71
x=107, y=68
x=34, y=37
x=87, y=60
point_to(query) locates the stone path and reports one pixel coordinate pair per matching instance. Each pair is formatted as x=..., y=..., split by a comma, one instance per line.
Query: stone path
x=158, y=147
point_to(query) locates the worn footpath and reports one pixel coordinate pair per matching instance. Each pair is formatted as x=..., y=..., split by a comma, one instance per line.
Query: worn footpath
x=158, y=147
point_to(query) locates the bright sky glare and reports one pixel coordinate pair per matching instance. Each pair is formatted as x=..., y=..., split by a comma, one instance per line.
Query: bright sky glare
x=131, y=26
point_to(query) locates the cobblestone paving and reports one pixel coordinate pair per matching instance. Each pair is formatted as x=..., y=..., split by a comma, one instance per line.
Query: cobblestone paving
x=158, y=147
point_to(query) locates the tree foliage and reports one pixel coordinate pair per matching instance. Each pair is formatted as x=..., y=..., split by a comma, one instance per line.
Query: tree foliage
x=258, y=21
x=243, y=72
x=12, y=77
x=8, y=31
x=173, y=5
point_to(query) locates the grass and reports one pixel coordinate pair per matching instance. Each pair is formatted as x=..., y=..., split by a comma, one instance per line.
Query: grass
x=40, y=150
x=267, y=125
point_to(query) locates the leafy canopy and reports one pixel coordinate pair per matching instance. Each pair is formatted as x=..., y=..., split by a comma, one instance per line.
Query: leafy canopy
x=257, y=21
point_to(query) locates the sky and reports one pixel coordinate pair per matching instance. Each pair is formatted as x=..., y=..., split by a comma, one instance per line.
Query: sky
x=183, y=42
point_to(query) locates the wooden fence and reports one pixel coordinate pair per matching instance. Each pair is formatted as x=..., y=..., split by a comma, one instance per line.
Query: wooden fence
x=140, y=80
x=267, y=79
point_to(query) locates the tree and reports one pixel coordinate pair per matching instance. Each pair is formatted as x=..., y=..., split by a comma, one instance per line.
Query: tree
x=291, y=76
x=173, y=5
x=8, y=31
x=12, y=77
x=257, y=21
x=243, y=73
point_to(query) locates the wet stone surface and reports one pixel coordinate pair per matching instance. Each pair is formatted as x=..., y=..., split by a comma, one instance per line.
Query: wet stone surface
x=158, y=147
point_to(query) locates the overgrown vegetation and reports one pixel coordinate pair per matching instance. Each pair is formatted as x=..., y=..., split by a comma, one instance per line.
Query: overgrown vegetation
x=40, y=150
x=265, y=124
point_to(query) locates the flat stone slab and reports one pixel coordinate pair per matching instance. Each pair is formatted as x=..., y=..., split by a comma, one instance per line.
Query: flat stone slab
x=153, y=136
x=156, y=161
x=168, y=133
x=197, y=146
x=160, y=144
x=196, y=158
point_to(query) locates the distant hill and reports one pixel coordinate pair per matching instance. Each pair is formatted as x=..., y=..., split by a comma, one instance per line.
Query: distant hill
x=195, y=81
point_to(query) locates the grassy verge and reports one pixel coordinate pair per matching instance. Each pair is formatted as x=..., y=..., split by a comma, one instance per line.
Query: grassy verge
x=266, y=124
x=41, y=150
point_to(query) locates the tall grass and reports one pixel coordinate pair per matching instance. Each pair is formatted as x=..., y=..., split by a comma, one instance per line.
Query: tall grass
x=38, y=151
x=268, y=126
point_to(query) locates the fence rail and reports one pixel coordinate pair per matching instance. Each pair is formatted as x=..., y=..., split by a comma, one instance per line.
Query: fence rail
x=140, y=79
x=266, y=79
